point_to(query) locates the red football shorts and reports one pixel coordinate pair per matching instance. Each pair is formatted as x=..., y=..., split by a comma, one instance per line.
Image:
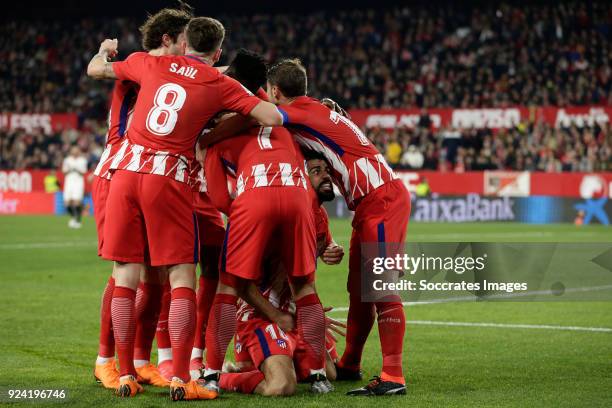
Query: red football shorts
x=259, y=339
x=147, y=210
x=270, y=220
x=381, y=217
x=99, y=195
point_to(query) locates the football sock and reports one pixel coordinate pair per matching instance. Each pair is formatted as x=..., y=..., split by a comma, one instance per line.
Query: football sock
x=220, y=331
x=391, y=328
x=78, y=212
x=181, y=326
x=330, y=346
x=106, y=348
x=123, y=312
x=359, y=324
x=148, y=304
x=241, y=382
x=70, y=211
x=206, y=296
x=164, y=350
x=311, y=328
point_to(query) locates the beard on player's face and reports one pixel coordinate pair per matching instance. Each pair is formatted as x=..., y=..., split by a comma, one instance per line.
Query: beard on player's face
x=325, y=190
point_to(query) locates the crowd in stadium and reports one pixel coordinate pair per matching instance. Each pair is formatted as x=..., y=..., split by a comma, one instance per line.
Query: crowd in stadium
x=438, y=56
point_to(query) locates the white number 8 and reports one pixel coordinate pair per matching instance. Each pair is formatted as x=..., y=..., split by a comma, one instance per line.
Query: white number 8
x=167, y=111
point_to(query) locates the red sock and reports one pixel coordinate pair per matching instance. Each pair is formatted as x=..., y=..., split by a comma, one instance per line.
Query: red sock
x=181, y=326
x=124, y=327
x=107, y=340
x=221, y=329
x=311, y=329
x=241, y=382
x=206, y=297
x=148, y=304
x=359, y=324
x=391, y=328
x=161, y=333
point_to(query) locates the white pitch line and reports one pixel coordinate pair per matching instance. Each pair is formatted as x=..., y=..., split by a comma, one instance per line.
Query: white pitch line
x=506, y=325
x=496, y=296
x=43, y=245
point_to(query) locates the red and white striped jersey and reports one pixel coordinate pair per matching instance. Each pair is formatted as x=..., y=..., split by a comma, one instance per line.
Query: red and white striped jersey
x=119, y=116
x=262, y=157
x=178, y=96
x=141, y=159
x=358, y=167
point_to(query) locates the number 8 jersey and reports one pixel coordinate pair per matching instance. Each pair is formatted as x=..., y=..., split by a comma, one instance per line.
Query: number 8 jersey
x=178, y=96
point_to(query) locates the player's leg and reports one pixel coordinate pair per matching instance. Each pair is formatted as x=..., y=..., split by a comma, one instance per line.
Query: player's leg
x=221, y=327
x=250, y=228
x=123, y=202
x=386, y=223
x=172, y=241
x=148, y=305
x=164, y=347
x=298, y=253
x=105, y=371
x=360, y=318
x=211, y=233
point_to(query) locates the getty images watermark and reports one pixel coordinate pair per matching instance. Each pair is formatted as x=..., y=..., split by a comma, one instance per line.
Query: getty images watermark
x=440, y=272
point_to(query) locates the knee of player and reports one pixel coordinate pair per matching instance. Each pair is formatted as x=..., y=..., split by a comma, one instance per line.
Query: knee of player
x=280, y=387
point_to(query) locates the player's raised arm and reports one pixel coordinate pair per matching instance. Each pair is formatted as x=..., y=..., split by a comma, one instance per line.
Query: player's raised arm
x=100, y=67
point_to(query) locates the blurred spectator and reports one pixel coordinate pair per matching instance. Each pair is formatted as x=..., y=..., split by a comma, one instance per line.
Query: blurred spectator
x=412, y=158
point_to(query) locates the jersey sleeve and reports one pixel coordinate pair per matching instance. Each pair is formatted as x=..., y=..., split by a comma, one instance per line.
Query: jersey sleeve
x=82, y=165
x=292, y=115
x=235, y=97
x=216, y=180
x=132, y=68
x=65, y=166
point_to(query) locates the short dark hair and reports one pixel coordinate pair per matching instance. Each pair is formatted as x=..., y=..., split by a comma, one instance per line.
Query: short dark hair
x=290, y=77
x=205, y=34
x=313, y=155
x=248, y=68
x=166, y=21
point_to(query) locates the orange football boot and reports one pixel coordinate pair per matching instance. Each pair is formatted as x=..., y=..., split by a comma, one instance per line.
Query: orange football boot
x=107, y=374
x=149, y=374
x=128, y=387
x=193, y=390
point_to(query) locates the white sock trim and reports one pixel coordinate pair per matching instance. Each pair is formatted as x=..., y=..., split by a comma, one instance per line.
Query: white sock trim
x=163, y=354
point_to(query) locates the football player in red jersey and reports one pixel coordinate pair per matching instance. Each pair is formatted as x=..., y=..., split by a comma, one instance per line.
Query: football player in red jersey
x=162, y=35
x=271, y=212
x=382, y=209
x=270, y=357
x=150, y=198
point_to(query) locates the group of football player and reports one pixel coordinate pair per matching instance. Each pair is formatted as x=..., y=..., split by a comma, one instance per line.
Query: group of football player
x=188, y=141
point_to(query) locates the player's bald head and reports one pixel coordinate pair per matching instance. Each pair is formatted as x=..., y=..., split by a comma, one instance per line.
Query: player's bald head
x=204, y=35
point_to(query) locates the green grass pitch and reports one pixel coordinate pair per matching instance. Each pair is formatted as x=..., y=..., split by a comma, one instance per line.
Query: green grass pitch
x=52, y=282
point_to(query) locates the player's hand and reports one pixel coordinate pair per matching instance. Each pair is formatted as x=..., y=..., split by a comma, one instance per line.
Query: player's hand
x=334, y=326
x=333, y=254
x=109, y=47
x=333, y=105
x=286, y=322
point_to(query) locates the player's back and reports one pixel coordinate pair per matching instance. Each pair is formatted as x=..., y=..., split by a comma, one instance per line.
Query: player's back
x=262, y=157
x=358, y=166
x=178, y=96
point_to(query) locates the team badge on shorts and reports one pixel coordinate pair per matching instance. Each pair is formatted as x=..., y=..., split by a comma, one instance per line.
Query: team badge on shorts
x=238, y=347
x=281, y=343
